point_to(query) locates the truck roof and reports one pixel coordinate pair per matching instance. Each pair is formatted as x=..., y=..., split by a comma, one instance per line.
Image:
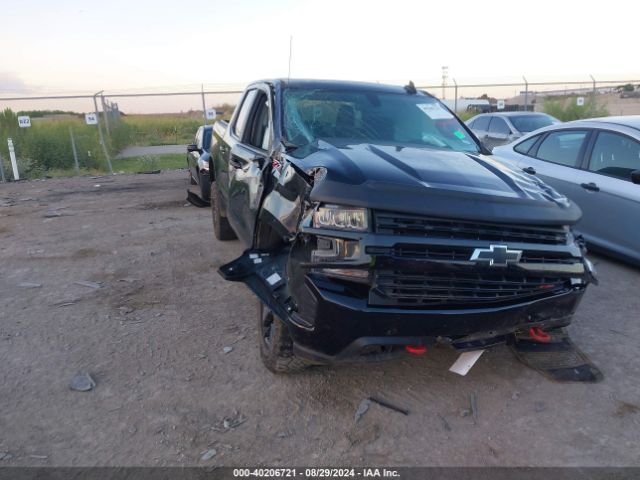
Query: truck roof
x=334, y=84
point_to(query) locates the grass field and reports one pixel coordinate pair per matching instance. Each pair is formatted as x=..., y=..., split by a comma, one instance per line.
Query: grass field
x=142, y=164
x=45, y=149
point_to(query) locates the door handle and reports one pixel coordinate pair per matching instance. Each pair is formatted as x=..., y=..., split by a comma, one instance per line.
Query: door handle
x=590, y=186
x=529, y=170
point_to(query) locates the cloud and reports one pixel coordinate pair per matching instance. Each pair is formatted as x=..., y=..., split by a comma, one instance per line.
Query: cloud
x=11, y=83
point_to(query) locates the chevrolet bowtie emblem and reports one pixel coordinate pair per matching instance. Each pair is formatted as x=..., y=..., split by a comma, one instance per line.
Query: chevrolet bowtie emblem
x=496, y=255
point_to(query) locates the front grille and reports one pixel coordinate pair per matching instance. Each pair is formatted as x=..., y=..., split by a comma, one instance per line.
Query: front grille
x=400, y=288
x=388, y=223
x=446, y=253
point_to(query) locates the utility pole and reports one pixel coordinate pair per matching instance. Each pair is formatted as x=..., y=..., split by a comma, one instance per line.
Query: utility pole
x=104, y=146
x=445, y=75
x=455, y=100
x=204, y=109
x=526, y=94
x=593, y=95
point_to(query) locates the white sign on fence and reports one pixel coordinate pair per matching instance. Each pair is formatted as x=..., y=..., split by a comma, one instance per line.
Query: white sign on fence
x=500, y=105
x=91, y=118
x=580, y=101
x=24, y=122
x=210, y=113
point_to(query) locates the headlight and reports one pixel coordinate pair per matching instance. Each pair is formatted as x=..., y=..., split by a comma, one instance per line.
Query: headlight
x=336, y=217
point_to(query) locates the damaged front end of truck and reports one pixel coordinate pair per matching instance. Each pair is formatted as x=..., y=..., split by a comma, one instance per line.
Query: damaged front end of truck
x=360, y=268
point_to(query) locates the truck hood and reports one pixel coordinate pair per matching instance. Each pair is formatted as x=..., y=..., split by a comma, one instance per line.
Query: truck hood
x=430, y=182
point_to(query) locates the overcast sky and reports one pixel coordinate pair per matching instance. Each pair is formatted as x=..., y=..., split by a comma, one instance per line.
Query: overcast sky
x=89, y=45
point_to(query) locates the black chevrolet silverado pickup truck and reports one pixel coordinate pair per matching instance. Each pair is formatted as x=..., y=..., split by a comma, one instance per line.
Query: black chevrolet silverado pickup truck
x=375, y=223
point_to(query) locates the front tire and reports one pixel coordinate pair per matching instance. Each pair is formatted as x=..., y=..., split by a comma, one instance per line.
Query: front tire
x=276, y=346
x=221, y=228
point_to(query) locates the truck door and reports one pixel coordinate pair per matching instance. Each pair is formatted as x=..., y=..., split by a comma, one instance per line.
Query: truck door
x=247, y=160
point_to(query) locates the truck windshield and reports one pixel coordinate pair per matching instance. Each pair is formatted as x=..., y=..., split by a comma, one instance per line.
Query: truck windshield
x=349, y=116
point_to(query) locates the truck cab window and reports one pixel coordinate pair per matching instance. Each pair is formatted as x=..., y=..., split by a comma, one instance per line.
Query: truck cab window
x=261, y=124
x=243, y=115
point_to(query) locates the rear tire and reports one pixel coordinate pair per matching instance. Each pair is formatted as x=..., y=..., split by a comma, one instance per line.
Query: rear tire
x=221, y=228
x=276, y=346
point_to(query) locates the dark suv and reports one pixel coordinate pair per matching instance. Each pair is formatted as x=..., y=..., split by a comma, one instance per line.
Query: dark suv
x=198, y=163
x=375, y=224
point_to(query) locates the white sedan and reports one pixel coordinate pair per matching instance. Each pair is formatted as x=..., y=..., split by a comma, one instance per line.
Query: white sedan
x=596, y=163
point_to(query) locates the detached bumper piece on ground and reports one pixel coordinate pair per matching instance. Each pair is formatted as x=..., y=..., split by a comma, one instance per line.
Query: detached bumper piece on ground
x=557, y=357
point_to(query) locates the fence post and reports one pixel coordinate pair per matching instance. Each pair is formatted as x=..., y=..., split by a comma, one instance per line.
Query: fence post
x=104, y=146
x=2, y=169
x=526, y=94
x=105, y=115
x=75, y=152
x=14, y=163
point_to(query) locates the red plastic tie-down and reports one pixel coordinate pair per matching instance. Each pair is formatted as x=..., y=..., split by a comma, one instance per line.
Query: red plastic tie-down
x=416, y=349
x=539, y=335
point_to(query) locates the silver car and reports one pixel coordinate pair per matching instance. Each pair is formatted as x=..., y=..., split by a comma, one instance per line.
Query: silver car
x=500, y=128
x=596, y=163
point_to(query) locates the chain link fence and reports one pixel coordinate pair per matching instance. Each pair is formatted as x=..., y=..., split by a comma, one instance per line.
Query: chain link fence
x=88, y=132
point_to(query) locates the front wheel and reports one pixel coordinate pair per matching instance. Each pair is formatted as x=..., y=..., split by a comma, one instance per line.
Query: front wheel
x=221, y=228
x=276, y=346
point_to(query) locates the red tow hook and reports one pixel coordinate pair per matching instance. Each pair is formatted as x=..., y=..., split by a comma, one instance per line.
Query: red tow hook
x=416, y=349
x=539, y=335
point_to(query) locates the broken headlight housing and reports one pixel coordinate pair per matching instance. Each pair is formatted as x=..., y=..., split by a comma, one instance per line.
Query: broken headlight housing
x=337, y=217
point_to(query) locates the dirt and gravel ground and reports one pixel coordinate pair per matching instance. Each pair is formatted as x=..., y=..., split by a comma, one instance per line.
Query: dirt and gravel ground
x=152, y=336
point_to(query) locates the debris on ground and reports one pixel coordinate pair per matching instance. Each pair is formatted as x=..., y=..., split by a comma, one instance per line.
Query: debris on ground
x=539, y=407
x=5, y=456
x=208, y=454
x=125, y=309
x=626, y=408
x=362, y=409
x=84, y=283
x=229, y=423
x=474, y=406
x=515, y=395
x=227, y=349
x=390, y=406
x=66, y=304
x=445, y=424
x=82, y=383
x=39, y=457
x=30, y=285
x=465, y=413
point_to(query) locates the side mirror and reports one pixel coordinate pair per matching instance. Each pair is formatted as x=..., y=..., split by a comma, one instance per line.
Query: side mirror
x=635, y=176
x=192, y=148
